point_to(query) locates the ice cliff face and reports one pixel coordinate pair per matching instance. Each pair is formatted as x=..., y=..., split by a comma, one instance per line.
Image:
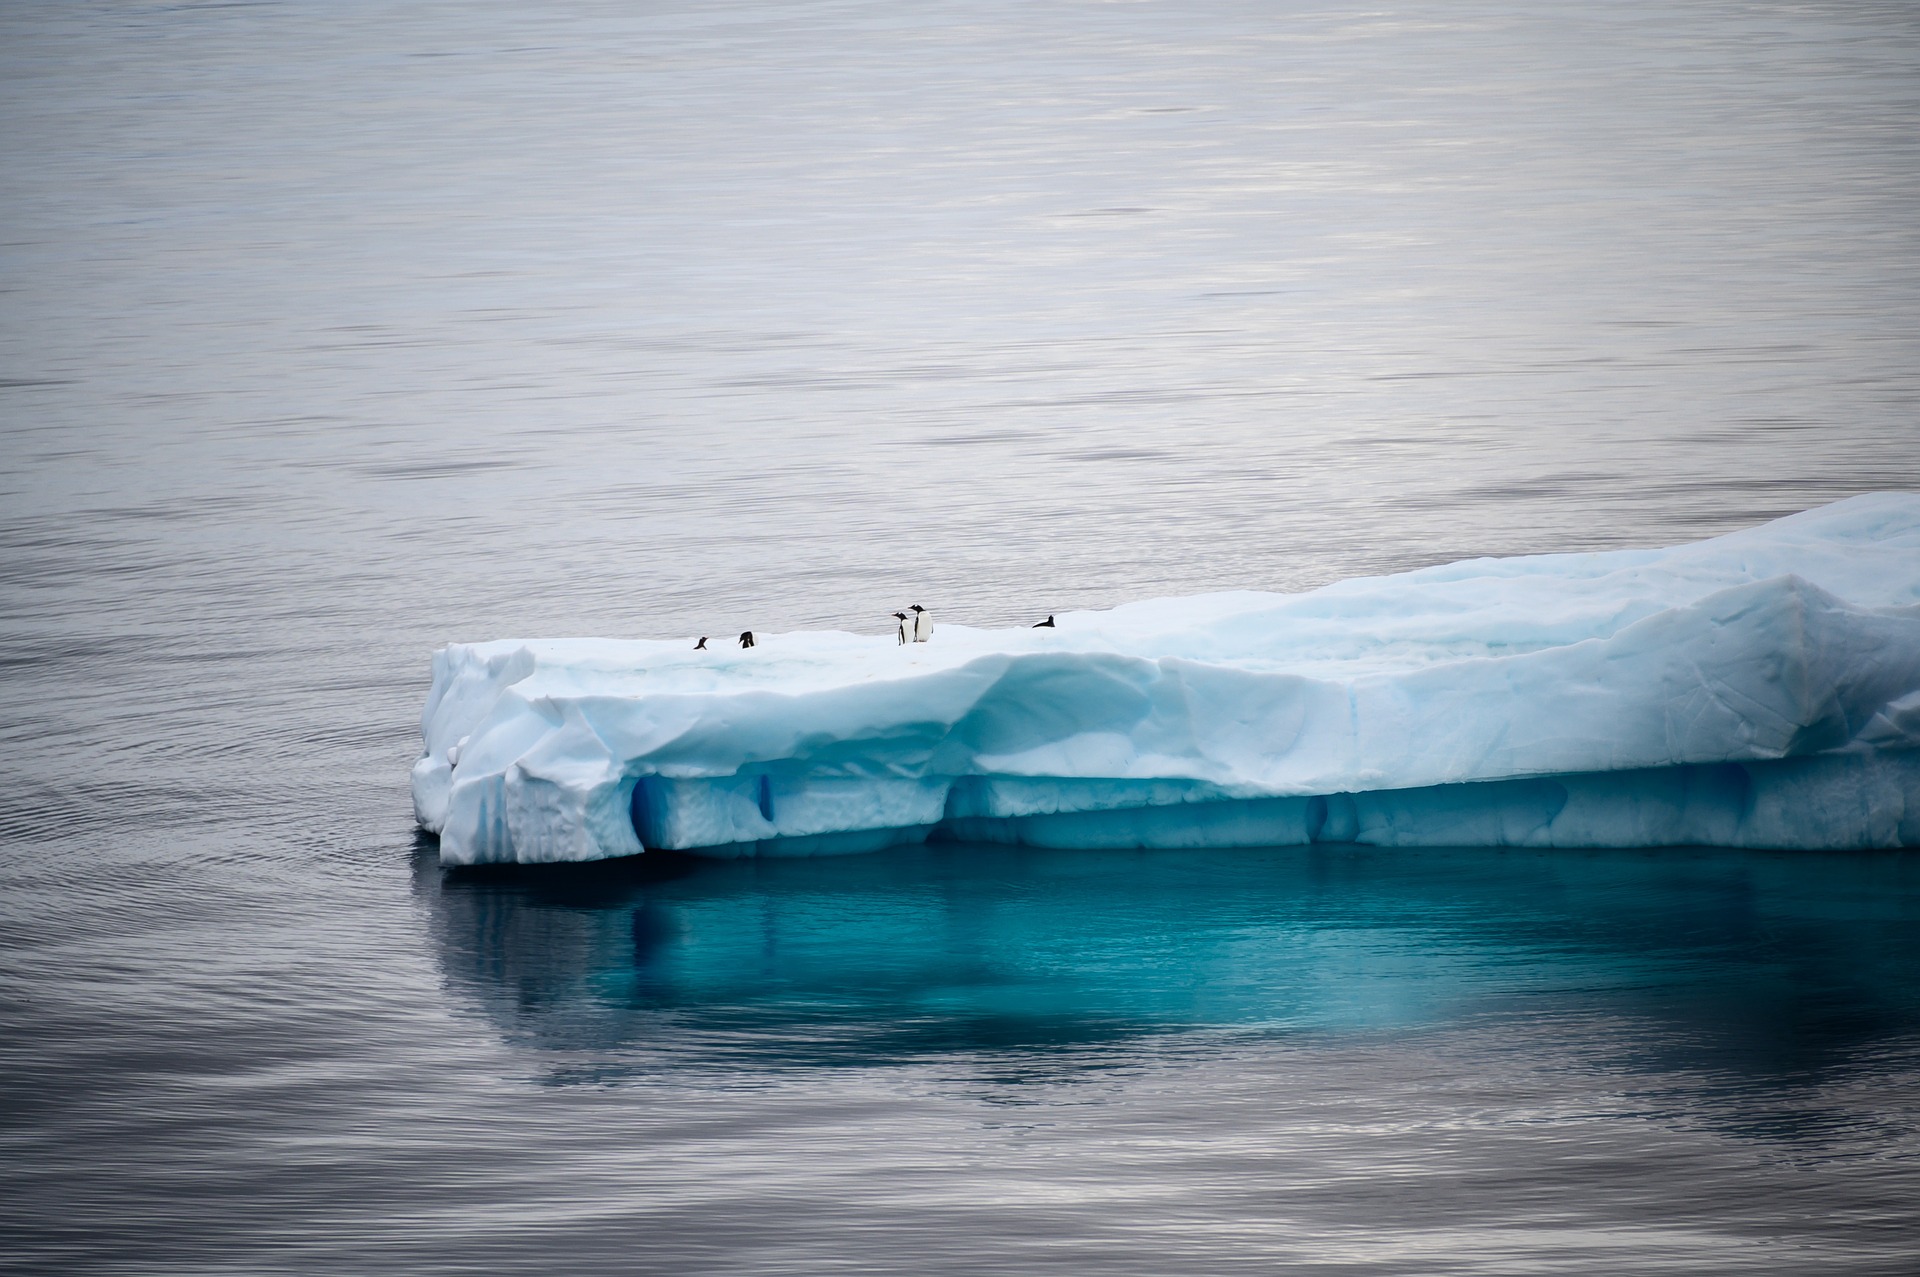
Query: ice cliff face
x=1759, y=689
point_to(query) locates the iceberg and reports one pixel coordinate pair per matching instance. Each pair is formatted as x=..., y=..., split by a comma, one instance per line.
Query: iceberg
x=1760, y=689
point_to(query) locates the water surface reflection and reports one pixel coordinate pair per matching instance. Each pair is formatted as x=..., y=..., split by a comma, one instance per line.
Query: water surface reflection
x=1771, y=969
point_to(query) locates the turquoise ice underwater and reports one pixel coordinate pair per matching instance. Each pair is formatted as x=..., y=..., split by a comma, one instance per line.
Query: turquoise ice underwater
x=1761, y=689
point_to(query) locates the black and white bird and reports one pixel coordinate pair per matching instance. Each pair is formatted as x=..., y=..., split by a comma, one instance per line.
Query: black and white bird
x=746, y=638
x=701, y=646
x=922, y=624
x=902, y=618
x=1046, y=624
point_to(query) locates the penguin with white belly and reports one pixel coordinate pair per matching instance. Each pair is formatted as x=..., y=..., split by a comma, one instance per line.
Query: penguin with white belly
x=922, y=624
x=902, y=627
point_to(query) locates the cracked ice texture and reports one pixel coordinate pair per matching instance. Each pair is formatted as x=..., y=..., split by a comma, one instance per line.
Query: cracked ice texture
x=1758, y=689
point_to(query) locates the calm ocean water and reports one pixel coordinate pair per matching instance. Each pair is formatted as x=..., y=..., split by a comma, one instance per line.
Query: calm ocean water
x=333, y=332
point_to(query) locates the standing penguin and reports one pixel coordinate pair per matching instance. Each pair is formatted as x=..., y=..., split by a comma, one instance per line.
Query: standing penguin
x=902, y=618
x=1044, y=625
x=922, y=624
x=701, y=646
x=746, y=638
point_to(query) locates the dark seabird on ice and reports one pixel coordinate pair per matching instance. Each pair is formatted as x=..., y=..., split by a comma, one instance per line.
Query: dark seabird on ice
x=746, y=638
x=701, y=646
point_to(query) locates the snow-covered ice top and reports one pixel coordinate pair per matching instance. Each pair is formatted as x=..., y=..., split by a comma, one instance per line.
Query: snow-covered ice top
x=1797, y=638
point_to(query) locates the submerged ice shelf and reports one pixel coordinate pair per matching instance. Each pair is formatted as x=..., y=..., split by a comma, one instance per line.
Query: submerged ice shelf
x=1761, y=689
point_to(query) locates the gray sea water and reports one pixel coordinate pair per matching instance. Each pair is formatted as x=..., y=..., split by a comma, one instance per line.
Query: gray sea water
x=331, y=332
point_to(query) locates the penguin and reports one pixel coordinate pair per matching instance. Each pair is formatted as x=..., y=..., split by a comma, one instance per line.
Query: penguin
x=922, y=624
x=1046, y=624
x=746, y=638
x=902, y=618
x=701, y=646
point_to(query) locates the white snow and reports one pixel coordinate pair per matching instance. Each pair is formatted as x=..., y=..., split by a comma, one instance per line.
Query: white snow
x=1759, y=689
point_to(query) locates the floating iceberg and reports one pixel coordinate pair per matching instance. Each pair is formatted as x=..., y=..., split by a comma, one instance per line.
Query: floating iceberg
x=1757, y=690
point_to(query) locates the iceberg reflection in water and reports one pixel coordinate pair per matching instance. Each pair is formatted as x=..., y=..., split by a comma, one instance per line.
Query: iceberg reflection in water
x=1746, y=965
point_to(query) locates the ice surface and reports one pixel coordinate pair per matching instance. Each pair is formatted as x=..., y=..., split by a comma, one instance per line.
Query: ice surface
x=1760, y=689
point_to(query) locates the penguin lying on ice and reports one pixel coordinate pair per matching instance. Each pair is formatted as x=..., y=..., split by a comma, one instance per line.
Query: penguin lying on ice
x=1044, y=625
